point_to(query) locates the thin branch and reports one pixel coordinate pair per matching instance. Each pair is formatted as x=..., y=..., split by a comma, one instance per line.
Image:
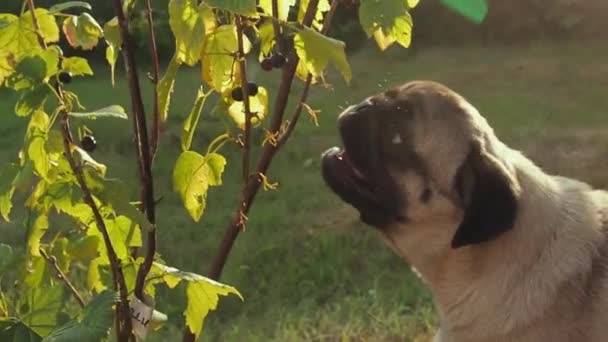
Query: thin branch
x=298, y=110
x=61, y=276
x=245, y=93
x=122, y=310
x=143, y=145
x=276, y=25
x=155, y=72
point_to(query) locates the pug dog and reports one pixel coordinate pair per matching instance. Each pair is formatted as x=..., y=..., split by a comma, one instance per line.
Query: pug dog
x=509, y=252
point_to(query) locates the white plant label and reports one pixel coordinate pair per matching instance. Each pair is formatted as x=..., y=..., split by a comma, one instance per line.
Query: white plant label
x=141, y=314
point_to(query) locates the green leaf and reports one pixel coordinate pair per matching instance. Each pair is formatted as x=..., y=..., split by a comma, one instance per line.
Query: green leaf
x=13, y=330
x=192, y=120
x=322, y=7
x=43, y=303
x=77, y=66
x=165, y=87
x=388, y=21
x=124, y=235
x=82, y=31
x=474, y=10
x=8, y=176
x=6, y=256
x=192, y=176
x=113, y=111
x=317, y=50
x=92, y=324
x=39, y=228
x=283, y=6
x=189, y=23
x=219, y=67
x=114, y=40
x=245, y=7
x=32, y=100
x=69, y=5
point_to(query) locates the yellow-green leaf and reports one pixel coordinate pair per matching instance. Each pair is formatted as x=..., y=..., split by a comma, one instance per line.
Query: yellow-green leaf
x=322, y=7
x=192, y=176
x=165, y=87
x=82, y=31
x=267, y=38
x=38, y=155
x=8, y=176
x=388, y=21
x=189, y=23
x=258, y=106
x=43, y=304
x=113, y=111
x=77, y=66
x=111, y=33
x=18, y=37
x=245, y=7
x=84, y=248
x=192, y=120
x=37, y=231
x=219, y=67
x=94, y=275
x=317, y=50
x=32, y=100
x=59, y=251
x=283, y=6
x=203, y=297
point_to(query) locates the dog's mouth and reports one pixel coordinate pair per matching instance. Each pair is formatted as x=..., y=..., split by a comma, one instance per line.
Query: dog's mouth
x=364, y=191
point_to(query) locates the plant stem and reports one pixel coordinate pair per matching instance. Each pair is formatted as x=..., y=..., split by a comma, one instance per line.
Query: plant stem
x=143, y=147
x=276, y=26
x=155, y=72
x=53, y=261
x=123, y=330
x=245, y=92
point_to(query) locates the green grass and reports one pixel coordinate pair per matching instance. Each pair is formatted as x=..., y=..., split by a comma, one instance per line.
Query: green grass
x=307, y=268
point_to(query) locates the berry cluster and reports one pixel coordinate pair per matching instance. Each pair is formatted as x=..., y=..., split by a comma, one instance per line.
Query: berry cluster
x=237, y=93
x=275, y=61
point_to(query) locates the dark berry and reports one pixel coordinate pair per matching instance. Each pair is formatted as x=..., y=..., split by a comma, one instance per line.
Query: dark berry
x=88, y=143
x=278, y=60
x=266, y=64
x=259, y=9
x=252, y=89
x=237, y=94
x=65, y=77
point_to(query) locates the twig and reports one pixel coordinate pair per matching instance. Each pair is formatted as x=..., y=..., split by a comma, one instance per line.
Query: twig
x=122, y=310
x=143, y=146
x=245, y=92
x=155, y=72
x=61, y=276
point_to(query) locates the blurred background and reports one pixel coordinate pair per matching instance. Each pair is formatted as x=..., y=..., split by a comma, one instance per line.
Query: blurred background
x=308, y=269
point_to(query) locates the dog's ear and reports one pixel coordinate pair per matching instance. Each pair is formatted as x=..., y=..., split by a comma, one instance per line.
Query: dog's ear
x=489, y=196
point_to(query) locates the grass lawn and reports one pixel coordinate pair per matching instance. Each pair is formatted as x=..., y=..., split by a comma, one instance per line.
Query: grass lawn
x=307, y=268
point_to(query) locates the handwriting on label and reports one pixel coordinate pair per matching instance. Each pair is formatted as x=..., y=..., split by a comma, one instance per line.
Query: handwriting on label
x=139, y=317
x=141, y=313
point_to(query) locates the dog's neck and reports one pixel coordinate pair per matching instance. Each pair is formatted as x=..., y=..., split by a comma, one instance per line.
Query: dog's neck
x=509, y=266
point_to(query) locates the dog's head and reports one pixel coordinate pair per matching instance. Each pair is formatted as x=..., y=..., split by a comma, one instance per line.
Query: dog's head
x=418, y=154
